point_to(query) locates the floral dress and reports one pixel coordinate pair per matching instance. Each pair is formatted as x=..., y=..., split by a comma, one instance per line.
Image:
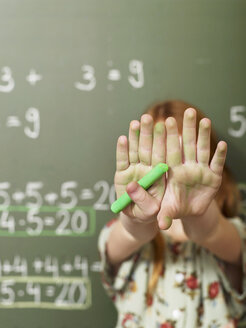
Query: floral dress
x=192, y=291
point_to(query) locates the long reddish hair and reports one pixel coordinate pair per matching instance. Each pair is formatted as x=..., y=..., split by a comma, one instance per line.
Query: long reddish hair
x=228, y=196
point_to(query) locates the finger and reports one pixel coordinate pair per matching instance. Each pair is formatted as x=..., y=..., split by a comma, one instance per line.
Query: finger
x=146, y=205
x=218, y=160
x=158, y=149
x=122, y=160
x=145, y=139
x=173, y=155
x=189, y=135
x=164, y=219
x=133, y=142
x=158, y=188
x=203, y=141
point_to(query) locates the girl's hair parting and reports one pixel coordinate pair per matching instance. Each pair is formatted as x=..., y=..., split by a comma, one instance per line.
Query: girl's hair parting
x=227, y=198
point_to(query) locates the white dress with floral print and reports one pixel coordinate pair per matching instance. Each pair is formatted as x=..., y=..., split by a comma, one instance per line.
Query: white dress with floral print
x=192, y=291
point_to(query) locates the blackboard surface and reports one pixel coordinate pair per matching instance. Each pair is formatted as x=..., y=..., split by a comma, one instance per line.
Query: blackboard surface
x=73, y=74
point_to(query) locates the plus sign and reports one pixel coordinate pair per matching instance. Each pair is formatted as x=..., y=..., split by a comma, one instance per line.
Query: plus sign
x=33, y=77
x=38, y=265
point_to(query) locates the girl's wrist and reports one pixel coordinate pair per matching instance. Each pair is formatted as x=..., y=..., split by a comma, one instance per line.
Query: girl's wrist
x=122, y=242
x=201, y=228
x=204, y=235
x=141, y=232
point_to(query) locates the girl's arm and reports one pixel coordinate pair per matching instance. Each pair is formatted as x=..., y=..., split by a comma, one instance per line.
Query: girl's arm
x=222, y=238
x=135, y=157
x=192, y=184
x=123, y=241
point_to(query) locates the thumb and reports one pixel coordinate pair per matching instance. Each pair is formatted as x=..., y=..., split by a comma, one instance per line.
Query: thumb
x=146, y=204
x=165, y=218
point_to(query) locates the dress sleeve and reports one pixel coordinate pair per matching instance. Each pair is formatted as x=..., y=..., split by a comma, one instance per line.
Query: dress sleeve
x=235, y=299
x=112, y=281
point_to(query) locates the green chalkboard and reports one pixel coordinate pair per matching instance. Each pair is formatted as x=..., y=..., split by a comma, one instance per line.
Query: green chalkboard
x=73, y=74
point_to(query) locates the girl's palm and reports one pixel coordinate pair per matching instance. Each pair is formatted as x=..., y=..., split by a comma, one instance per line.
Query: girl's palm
x=191, y=183
x=134, y=159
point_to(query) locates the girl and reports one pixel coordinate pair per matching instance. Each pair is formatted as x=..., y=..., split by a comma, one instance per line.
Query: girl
x=176, y=256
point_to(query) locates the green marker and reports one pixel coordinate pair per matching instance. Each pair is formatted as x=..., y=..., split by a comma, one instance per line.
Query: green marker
x=145, y=182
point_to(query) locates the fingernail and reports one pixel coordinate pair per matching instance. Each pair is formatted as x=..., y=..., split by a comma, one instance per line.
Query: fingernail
x=159, y=127
x=164, y=222
x=168, y=221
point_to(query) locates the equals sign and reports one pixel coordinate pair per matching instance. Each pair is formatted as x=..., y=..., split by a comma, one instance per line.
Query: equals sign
x=13, y=121
x=86, y=194
x=114, y=75
x=49, y=221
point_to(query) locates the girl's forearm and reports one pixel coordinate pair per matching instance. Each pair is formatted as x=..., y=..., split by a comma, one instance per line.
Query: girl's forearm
x=224, y=242
x=215, y=233
x=127, y=237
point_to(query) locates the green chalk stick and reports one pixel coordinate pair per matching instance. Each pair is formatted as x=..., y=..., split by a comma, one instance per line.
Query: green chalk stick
x=145, y=182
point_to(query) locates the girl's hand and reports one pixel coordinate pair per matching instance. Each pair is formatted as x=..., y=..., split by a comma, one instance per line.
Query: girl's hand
x=134, y=159
x=192, y=182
